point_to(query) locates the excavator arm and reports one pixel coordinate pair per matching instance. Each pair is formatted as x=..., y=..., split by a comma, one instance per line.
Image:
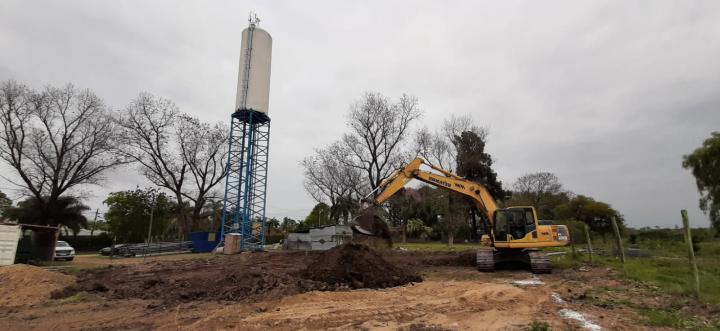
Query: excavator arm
x=477, y=193
x=514, y=230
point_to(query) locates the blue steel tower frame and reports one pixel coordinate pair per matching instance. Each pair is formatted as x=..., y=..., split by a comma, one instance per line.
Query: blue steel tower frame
x=246, y=182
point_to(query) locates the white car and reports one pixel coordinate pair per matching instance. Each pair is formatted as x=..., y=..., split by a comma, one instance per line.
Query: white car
x=63, y=251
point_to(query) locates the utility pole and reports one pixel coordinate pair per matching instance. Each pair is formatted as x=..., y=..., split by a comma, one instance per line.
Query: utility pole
x=92, y=230
x=152, y=211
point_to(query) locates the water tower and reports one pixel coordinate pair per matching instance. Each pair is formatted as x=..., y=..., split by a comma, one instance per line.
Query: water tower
x=246, y=182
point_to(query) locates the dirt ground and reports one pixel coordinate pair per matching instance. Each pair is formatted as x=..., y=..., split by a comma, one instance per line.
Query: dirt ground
x=253, y=291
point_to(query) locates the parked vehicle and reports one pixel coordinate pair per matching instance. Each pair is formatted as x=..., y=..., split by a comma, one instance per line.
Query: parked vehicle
x=106, y=251
x=63, y=251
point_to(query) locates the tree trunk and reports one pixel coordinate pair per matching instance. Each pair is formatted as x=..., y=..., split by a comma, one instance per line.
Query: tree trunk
x=197, y=210
x=182, y=218
x=451, y=239
x=404, y=231
x=474, y=226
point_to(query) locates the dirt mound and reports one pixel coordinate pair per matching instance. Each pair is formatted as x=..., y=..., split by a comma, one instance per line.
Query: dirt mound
x=22, y=284
x=244, y=277
x=357, y=266
x=251, y=277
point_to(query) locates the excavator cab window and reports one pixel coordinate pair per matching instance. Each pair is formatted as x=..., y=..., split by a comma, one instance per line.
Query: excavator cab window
x=529, y=220
x=501, y=226
x=515, y=222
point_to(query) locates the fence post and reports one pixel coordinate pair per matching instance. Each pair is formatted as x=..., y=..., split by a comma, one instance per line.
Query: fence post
x=589, y=242
x=691, y=253
x=616, y=229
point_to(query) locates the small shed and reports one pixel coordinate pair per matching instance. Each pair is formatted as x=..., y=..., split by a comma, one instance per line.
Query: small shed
x=10, y=235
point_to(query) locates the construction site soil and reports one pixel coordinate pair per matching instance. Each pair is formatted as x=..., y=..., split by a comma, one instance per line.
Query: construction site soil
x=350, y=287
x=259, y=276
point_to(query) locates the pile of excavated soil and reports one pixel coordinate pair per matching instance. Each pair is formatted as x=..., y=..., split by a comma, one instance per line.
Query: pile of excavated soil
x=252, y=277
x=357, y=266
x=22, y=284
x=243, y=277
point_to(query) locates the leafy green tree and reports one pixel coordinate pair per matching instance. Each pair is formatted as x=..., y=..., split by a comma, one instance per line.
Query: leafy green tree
x=476, y=165
x=443, y=210
x=273, y=223
x=63, y=211
x=128, y=214
x=319, y=216
x=288, y=224
x=596, y=214
x=401, y=207
x=455, y=216
x=704, y=162
x=417, y=228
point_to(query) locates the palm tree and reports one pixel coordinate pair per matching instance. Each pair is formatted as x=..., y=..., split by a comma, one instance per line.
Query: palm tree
x=63, y=211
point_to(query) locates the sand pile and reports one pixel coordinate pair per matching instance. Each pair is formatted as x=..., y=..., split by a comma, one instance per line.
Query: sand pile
x=22, y=284
x=357, y=266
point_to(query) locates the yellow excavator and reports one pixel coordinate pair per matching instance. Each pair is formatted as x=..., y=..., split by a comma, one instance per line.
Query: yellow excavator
x=515, y=235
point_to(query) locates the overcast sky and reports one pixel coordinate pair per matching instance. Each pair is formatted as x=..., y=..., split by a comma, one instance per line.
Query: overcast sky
x=608, y=95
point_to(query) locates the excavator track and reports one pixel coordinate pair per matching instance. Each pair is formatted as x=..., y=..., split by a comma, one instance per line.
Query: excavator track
x=539, y=262
x=485, y=260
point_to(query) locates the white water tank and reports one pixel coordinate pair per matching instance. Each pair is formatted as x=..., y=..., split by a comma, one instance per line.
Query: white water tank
x=253, y=88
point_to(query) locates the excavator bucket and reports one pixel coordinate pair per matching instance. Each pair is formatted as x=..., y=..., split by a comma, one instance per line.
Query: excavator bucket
x=368, y=223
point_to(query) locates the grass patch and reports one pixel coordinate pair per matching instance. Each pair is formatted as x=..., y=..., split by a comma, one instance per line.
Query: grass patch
x=79, y=297
x=538, y=326
x=672, y=275
x=567, y=261
x=664, y=318
x=438, y=246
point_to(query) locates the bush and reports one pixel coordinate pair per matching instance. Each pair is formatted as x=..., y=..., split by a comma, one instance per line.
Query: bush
x=273, y=238
x=577, y=230
x=538, y=326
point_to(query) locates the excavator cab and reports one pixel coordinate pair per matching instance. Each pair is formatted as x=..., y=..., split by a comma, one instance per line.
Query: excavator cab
x=518, y=227
x=514, y=223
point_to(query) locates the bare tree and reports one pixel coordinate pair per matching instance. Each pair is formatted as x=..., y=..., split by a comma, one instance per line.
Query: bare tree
x=378, y=131
x=54, y=141
x=329, y=179
x=537, y=189
x=204, y=149
x=172, y=149
x=434, y=148
x=440, y=148
x=148, y=128
x=456, y=125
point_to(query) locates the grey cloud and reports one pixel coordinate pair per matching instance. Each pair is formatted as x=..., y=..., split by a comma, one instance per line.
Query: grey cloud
x=609, y=95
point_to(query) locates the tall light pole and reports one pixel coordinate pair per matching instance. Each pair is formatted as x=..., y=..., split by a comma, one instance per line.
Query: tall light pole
x=152, y=212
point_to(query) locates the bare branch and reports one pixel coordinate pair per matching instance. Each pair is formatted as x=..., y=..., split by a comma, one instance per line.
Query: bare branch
x=56, y=140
